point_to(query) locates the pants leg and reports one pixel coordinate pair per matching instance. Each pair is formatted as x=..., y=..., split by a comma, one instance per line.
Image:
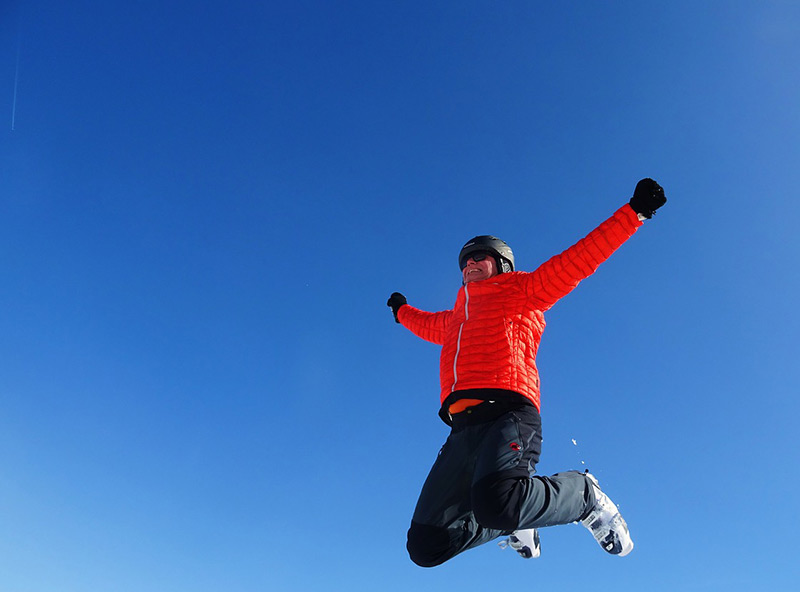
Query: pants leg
x=505, y=495
x=443, y=524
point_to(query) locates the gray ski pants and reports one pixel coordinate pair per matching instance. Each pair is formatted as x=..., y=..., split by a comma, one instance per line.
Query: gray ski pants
x=482, y=486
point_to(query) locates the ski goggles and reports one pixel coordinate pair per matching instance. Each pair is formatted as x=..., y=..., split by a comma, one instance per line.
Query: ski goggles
x=476, y=257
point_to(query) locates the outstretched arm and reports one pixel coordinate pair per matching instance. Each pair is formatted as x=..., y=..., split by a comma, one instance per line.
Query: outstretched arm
x=559, y=275
x=430, y=326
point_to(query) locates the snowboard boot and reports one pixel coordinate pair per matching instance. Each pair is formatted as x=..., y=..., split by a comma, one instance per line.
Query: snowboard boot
x=606, y=523
x=525, y=542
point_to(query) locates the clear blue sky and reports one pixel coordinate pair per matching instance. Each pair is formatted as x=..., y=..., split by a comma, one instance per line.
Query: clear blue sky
x=204, y=207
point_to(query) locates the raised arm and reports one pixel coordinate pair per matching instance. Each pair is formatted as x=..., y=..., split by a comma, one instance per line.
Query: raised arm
x=430, y=326
x=559, y=275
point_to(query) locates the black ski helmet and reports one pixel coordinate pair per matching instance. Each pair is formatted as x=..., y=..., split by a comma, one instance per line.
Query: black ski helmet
x=490, y=244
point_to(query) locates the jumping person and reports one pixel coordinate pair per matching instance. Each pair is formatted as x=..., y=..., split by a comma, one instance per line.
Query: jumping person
x=482, y=485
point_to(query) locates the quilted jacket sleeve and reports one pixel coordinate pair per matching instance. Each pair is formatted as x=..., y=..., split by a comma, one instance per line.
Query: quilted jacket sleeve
x=430, y=326
x=559, y=275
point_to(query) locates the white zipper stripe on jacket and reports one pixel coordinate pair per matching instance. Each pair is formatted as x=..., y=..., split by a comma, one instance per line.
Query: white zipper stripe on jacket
x=458, y=343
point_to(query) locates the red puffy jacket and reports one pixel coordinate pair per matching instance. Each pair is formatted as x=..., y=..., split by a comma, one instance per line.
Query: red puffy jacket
x=490, y=338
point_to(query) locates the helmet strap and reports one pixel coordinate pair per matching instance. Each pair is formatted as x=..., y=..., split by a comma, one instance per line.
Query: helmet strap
x=503, y=266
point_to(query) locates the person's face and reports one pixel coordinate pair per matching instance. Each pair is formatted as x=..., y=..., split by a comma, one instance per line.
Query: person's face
x=482, y=269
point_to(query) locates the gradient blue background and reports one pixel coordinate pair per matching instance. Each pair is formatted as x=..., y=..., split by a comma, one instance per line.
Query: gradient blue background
x=204, y=207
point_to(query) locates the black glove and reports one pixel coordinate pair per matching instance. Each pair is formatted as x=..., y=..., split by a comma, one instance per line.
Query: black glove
x=395, y=301
x=647, y=198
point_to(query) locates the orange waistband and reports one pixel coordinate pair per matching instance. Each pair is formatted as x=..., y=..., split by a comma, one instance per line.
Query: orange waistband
x=463, y=404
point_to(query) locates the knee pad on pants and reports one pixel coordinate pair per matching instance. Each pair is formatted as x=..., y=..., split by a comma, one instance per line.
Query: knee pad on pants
x=497, y=499
x=428, y=546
